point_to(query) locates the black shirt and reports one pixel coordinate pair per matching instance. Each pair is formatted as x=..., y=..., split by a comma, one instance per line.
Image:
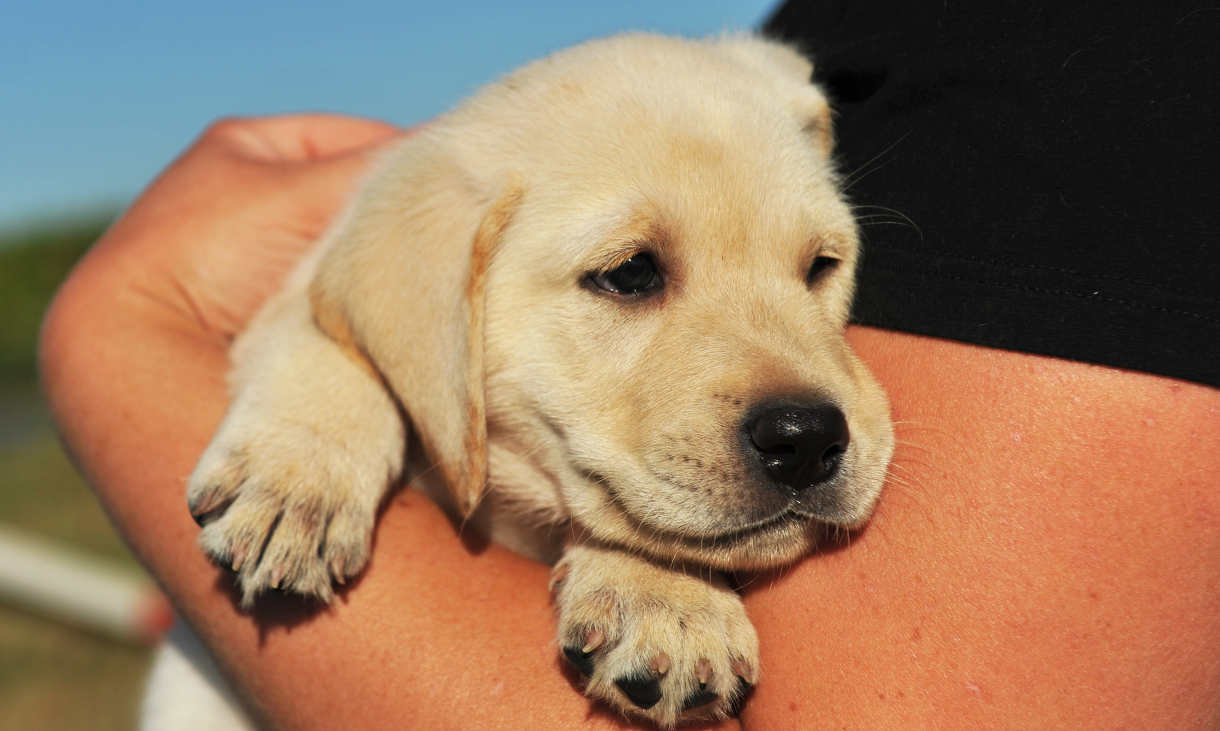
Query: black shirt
x=1045, y=178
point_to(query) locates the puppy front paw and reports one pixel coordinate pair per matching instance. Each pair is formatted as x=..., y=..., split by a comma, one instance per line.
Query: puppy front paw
x=284, y=507
x=653, y=642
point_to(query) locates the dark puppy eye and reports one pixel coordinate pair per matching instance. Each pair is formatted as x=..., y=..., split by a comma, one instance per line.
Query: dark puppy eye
x=821, y=267
x=638, y=275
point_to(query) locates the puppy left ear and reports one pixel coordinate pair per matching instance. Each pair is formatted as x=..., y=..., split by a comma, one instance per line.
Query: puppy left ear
x=791, y=75
x=401, y=288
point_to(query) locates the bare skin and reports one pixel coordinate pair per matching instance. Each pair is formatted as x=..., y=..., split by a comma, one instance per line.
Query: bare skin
x=1047, y=553
x=1047, y=556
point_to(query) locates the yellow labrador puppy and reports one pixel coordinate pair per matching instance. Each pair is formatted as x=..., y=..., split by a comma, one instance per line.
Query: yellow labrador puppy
x=608, y=293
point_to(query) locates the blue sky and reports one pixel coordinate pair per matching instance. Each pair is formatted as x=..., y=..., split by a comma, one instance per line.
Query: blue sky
x=96, y=97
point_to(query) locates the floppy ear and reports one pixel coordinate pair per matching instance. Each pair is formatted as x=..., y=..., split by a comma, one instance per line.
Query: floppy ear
x=791, y=74
x=401, y=288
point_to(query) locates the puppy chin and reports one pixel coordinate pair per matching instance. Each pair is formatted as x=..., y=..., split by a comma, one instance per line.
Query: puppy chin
x=776, y=543
x=783, y=535
x=830, y=517
x=773, y=546
x=778, y=546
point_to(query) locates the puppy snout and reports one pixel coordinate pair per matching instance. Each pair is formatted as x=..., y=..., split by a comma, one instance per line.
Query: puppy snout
x=798, y=445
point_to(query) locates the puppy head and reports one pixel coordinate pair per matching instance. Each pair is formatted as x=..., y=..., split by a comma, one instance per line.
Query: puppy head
x=665, y=332
x=669, y=279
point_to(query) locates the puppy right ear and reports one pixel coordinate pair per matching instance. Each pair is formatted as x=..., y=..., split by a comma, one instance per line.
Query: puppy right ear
x=401, y=288
x=791, y=74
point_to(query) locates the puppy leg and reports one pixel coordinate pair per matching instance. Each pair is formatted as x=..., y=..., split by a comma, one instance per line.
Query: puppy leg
x=289, y=488
x=653, y=641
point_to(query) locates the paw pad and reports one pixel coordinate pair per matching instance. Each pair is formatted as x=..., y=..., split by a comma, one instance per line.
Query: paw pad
x=699, y=698
x=644, y=691
x=582, y=661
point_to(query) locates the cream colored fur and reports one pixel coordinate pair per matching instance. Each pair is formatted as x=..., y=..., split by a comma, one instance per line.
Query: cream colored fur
x=455, y=293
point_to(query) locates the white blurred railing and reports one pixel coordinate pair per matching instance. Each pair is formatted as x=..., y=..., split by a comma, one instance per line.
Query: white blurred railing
x=47, y=579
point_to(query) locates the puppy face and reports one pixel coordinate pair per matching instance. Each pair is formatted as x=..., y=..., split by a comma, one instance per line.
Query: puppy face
x=665, y=346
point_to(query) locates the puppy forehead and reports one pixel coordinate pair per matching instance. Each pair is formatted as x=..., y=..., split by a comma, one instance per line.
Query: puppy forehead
x=707, y=213
x=662, y=141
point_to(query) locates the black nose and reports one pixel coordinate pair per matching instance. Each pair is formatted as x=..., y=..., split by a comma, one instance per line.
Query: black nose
x=799, y=445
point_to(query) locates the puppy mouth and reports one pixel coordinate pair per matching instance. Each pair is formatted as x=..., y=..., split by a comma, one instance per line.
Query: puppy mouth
x=764, y=530
x=779, y=522
x=790, y=522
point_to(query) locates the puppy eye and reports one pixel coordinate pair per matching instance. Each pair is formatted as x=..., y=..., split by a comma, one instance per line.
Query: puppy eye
x=638, y=275
x=822, y=266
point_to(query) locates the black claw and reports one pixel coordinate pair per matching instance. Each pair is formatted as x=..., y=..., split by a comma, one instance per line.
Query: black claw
x=739, y=698
x=644, y=691
x=699, y=698
x=202, y=518
x=582, y=661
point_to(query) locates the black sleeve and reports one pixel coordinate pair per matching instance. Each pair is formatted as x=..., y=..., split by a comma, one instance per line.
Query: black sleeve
x=1038, y=177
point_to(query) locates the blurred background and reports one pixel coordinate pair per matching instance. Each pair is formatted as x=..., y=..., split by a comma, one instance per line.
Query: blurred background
x=95, y=99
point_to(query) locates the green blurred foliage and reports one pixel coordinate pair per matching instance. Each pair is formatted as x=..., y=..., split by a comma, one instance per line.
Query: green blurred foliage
x=33, y=261
x=59, y=678
x=52, y=676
